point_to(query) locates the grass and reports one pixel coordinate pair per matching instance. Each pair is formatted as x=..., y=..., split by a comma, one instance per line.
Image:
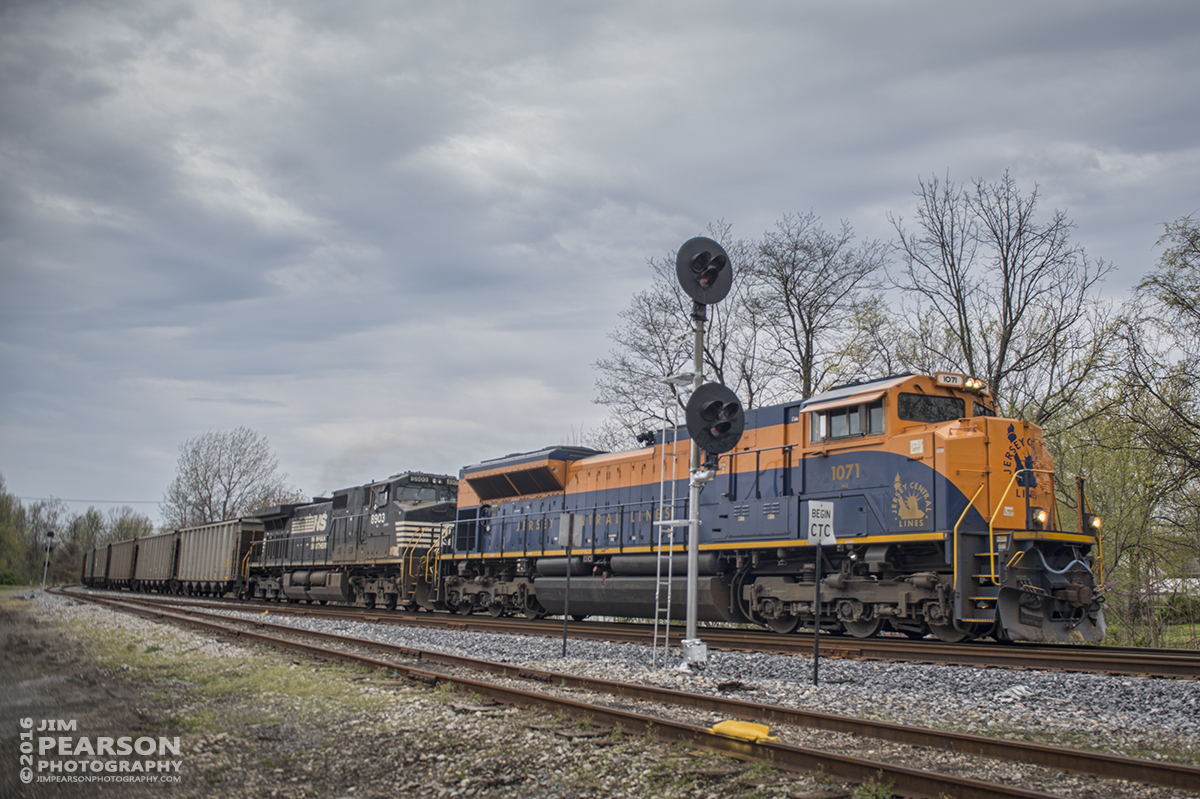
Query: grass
x=280, y=686
x=1172, y=636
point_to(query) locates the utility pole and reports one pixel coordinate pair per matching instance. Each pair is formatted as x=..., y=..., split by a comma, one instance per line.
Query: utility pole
x=46, y=568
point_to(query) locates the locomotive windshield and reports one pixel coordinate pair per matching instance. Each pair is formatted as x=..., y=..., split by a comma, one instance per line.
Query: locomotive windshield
x=925, y=408
x=411, y=493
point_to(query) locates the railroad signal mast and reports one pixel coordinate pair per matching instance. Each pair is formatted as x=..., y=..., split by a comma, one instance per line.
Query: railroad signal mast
x=715, y=419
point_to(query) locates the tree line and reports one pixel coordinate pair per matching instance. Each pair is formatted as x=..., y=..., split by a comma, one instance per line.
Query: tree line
x=24, y=536
x=978, y=279
x=219, y=475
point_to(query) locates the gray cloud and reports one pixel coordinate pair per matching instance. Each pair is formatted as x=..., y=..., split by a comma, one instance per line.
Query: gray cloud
x=396, y=237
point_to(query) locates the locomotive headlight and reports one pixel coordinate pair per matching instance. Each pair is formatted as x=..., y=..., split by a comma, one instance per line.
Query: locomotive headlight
x=1092, y=522
x=1040, y=517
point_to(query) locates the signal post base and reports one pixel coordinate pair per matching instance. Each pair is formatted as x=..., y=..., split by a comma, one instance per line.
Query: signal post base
x=695, y=655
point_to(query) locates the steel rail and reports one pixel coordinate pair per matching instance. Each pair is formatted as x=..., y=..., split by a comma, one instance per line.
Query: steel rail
x=904, y=781
x=1109, y=766
x=1161, y=663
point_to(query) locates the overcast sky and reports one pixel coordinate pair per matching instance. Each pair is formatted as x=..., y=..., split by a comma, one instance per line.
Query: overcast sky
x=391, y=235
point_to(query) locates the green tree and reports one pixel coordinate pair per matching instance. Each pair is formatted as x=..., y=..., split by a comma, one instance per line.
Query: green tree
x=13, y=561
x=1161, y=329
x=1124, y=483
x=42, y=517
x=1162, y=333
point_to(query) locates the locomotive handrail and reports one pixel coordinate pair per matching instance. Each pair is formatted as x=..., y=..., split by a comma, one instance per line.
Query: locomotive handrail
x=992, y=522
x=956, y=526
x=246, y=560
x=1099, y=572
x=431, y=557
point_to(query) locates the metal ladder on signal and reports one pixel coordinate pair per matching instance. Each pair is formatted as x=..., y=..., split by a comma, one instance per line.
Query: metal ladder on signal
x=666, y=529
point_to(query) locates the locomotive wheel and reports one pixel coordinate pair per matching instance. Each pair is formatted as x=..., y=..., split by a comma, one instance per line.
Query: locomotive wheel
x=495, y=610
x=948, y=633
x=863, y=629
x=389, y=601
x=784, y=625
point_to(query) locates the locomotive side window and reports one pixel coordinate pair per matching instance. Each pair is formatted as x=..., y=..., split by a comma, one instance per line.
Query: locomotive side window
x=851, y=421
x=929, y=409
x=979, y=409
x=381, y=497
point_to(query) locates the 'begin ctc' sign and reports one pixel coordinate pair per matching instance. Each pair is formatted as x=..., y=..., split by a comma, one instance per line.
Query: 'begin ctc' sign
x=820, y=523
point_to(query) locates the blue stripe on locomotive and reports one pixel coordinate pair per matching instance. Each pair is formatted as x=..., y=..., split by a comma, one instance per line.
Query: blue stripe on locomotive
x=738, y=509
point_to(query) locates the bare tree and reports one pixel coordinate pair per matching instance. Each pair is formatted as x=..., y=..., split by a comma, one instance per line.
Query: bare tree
x=875, y=344
x=1011, y=298
x=655, y=340
x=124, y=523
x=809, y=285
x=224, y=475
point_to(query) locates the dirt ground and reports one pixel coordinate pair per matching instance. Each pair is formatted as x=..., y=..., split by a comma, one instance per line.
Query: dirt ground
x=46, y=676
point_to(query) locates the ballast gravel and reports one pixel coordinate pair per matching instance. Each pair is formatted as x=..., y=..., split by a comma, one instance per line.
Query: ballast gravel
x=1140, y=717
x=1134, y=716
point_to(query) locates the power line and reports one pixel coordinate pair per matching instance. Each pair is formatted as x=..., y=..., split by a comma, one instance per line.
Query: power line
x=97, y=501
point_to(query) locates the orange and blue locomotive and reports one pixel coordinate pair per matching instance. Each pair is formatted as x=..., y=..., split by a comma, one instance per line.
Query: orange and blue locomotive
x=943, y=516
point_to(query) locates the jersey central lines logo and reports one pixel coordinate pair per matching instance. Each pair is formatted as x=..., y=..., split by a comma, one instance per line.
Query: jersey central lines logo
x=910, y=503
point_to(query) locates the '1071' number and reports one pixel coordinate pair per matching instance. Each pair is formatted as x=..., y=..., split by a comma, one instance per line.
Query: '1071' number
x=846, y=471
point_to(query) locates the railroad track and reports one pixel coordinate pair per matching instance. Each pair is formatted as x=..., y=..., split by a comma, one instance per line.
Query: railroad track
x=1109, y=660
x=432, y=668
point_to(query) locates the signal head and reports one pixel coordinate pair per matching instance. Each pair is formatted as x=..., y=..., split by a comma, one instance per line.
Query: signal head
x=704, y=270
x=715, y=419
